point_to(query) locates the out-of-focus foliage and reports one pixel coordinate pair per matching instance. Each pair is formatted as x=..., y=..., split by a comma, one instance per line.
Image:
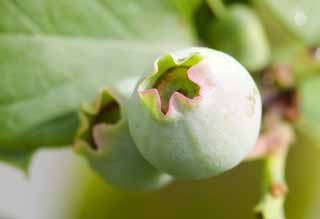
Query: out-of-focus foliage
x=198, y=199
x=309, y=123
x=290, y=21
x=72, y=191
x=213, y=198
x=303, y=177
x=300, y=17
x=240, y=34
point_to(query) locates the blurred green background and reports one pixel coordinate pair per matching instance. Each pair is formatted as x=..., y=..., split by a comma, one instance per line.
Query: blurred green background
x=61, y=185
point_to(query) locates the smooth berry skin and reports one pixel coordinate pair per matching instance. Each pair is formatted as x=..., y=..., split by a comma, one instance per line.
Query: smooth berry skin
x=202, y=136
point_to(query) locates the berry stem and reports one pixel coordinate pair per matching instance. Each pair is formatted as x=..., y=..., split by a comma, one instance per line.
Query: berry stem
x=271, y=205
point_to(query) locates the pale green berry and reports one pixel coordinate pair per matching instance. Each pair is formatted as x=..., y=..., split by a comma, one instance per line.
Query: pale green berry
x=105, y=141
x=241, y=34
x=196, y=115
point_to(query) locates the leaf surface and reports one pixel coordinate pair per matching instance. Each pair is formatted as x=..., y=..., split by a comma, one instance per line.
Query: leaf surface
x=54, y=54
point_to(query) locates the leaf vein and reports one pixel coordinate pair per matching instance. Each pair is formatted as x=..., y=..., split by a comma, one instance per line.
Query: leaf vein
x=23, y=17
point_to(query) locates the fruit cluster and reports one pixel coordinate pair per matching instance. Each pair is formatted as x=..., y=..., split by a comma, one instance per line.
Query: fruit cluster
x=196, y=115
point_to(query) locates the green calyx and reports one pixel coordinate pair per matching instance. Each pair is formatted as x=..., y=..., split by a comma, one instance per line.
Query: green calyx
x=170, y=76
x=104, y=110
x=110, y=113
x=175, y=80
x=104, y=139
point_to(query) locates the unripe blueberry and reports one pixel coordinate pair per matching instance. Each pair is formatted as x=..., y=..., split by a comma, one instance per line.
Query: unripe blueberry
x=196, y=115
x=105, y=141
x=241, y=34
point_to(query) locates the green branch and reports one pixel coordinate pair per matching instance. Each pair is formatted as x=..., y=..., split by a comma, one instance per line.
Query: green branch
x=271, y=205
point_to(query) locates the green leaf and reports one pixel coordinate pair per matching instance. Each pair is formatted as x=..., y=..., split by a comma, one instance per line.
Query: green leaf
x=19, y=159
x=309, y=123
x=298, y=18
x=55, y=54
